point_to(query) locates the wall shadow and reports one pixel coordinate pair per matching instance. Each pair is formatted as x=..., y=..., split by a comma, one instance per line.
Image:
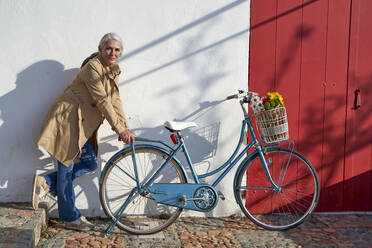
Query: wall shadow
x=22, y=112
x=184, y=28
x=189, y=51
x=294, y=47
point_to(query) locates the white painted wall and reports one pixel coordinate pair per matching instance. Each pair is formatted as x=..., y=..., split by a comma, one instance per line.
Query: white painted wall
x=180, y=59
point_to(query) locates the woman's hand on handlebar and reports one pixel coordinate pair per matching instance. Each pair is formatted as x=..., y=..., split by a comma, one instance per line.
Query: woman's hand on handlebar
x=127, y=137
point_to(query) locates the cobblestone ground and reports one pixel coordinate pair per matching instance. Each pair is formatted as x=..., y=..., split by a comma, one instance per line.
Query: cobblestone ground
x=318, y=231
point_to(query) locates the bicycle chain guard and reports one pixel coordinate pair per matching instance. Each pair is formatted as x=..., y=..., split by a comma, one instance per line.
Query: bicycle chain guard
x=198, y=197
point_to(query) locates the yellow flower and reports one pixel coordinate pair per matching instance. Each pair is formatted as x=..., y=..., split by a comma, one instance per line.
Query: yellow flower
x=271, y=95
x=281, y=100
x=274, y=96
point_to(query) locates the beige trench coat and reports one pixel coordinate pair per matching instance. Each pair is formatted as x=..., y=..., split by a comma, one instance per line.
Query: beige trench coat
x=78, y=112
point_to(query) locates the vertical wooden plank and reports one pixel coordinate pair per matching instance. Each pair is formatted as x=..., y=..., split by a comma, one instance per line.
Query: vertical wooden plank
x=358, y=167
x=262, y=65
x=287, y=73
x=288, y=46
x=335, y=86
x=312, y=84
x=262, y=45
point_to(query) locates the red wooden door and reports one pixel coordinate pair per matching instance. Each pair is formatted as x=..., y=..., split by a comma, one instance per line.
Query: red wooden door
x=358, y=165
x=310, y=51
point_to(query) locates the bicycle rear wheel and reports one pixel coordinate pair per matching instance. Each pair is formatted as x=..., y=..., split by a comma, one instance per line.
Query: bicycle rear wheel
x=283, y=209
x=142, y=214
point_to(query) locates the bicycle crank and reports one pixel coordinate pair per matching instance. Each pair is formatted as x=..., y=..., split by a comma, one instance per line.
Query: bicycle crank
x=198, y=197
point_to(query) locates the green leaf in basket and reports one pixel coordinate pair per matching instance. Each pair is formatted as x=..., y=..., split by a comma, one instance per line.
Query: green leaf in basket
x=267, y=105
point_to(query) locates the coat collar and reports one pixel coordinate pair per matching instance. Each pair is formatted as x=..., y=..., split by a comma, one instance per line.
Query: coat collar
x=113, y=71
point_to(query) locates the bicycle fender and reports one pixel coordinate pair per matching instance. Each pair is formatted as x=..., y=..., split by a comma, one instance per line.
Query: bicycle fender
x=128, y=149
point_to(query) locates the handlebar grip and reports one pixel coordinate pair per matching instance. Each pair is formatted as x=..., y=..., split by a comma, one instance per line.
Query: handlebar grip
x=237, y=96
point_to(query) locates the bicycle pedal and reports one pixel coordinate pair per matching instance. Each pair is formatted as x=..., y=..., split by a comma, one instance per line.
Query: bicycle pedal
x=220, y=195
x=184, y=200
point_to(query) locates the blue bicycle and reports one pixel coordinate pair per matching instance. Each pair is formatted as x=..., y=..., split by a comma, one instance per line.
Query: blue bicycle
x=145, y=187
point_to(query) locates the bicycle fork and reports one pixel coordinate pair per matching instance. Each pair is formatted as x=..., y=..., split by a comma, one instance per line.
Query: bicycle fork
x=139, y=189
x=265, y=166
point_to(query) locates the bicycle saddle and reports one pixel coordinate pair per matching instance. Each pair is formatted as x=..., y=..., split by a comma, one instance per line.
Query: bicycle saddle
x=178, y=126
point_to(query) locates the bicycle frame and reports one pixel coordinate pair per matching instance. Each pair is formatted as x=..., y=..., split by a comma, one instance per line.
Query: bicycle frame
x=226, y=167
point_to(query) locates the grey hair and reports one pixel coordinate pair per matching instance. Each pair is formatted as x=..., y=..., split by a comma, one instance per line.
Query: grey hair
x=110, y=36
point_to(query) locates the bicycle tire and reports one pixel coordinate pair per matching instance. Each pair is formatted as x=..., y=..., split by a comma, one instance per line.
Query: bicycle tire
x=283, y=209
x=143, y=214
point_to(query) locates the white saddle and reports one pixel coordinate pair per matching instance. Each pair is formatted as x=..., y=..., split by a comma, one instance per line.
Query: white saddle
x=178, y=126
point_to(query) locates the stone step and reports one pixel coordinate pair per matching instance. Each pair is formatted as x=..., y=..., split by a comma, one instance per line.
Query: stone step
x=20, y=225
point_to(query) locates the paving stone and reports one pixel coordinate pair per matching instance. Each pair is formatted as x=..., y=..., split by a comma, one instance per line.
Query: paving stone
x=366, y=217
x=318, y=237
x=253, y=238
x=343, y=221
x=359, y=237
x=193, y=224
x=239, y=223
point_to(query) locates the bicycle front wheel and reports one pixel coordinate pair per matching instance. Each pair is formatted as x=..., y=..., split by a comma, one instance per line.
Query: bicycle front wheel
x=141, y=214
x=277, y=209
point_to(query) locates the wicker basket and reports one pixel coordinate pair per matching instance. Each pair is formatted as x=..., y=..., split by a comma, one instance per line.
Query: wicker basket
x=273, y=124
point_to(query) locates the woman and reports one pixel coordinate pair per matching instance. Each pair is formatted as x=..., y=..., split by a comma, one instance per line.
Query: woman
x=70, y=128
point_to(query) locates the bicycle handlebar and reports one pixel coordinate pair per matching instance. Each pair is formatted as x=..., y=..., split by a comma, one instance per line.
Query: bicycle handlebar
x=246, y=96
x=237, y=96
x=242, y=94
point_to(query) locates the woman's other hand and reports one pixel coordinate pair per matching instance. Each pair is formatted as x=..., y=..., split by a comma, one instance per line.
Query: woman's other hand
x=127, y=136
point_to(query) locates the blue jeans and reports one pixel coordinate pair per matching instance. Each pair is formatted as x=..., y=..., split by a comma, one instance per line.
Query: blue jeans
x=60, y=182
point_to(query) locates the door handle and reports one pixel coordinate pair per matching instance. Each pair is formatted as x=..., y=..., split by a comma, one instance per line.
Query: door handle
x=357, y=99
